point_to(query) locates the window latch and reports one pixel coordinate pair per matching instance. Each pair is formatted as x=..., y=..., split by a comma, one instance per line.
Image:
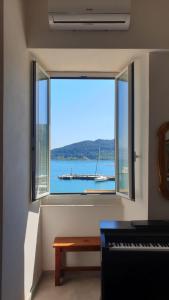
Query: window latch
x=136, y=156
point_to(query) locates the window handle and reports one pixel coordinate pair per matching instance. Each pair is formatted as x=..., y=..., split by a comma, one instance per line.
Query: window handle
x=136, y=156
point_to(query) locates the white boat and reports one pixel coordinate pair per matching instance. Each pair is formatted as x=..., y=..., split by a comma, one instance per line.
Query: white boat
x=98, y=177
x=101, y=178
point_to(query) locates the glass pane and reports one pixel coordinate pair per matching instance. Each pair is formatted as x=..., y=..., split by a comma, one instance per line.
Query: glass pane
x=42, y=135
x=122, y=134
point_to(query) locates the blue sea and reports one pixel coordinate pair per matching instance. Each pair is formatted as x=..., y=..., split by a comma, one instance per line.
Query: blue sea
x=62, y=167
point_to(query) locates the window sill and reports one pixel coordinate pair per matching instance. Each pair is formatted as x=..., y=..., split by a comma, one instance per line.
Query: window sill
x=81, y=200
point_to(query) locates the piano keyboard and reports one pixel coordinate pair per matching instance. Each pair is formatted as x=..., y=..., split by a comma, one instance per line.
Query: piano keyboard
x=152, y=246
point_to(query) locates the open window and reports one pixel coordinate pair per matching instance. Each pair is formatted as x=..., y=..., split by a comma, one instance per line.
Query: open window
x=125, y=155
x=40, y=133
x=120, y=178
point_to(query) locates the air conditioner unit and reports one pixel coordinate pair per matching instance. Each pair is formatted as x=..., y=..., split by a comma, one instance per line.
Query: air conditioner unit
x=89, y=21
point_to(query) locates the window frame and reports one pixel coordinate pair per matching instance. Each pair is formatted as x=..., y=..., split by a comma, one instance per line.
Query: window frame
x=85, y=75
x=77, y=75
x=131, y=140
x=35, y=67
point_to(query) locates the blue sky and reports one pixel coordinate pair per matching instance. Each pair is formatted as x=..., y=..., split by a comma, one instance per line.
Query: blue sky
x=81, y=109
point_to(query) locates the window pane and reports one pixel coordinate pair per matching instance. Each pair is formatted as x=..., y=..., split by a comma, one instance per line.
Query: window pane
x=122, y=132
x=41, y=163
x=125, y=133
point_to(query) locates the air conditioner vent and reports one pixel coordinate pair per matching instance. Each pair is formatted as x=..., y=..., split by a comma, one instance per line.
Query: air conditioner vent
x=89, y=21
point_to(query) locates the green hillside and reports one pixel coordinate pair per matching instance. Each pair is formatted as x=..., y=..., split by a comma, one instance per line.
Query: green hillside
x=85, y=150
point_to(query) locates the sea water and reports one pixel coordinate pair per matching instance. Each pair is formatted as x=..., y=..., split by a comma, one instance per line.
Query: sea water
x=87, y=167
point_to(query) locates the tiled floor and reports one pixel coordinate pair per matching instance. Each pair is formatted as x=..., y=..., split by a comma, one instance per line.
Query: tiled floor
x=76, y=286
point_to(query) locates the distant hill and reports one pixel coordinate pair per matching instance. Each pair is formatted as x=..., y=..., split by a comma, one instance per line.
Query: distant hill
x=85, y=150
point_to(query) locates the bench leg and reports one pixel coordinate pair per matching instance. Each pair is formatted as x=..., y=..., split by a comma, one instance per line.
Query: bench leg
x=58, y=262
x=63, y=263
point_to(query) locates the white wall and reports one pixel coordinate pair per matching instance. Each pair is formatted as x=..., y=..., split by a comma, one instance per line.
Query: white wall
x=159, y=113
x=84, y=220
x=21, y=266
x=32, y=250
x=149, y=26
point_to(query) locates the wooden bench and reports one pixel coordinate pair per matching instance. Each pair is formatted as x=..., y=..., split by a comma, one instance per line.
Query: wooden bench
x=65, y=244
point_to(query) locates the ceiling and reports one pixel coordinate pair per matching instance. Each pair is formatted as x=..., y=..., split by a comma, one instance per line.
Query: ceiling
x=85, y=60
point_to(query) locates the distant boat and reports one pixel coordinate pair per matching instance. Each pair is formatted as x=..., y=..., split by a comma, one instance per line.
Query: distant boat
x=86, y=177
x=101, y=178
x=98, y=159
x=98, y=177
x=66, y=176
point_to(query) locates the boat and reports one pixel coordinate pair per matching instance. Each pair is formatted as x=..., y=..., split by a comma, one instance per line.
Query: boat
x=101, y=178
x=98, y=177
x=86, y=177
x=98, y=159
x=66, y=176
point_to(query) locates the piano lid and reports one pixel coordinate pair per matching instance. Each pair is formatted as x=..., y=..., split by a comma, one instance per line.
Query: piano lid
x=150, y=223
x=115, y=225
x=134, y=225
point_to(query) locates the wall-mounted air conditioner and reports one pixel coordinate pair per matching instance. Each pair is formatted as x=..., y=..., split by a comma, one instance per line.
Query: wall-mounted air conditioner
x=89, y=21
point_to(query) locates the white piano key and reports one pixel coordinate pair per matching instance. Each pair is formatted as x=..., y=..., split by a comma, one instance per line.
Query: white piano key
x=153, y=246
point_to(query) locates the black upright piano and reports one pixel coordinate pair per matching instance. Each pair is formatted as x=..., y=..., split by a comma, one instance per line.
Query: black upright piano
x=134, y=260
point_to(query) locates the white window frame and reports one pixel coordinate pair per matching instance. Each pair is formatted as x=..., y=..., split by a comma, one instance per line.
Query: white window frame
x=35, y=67
x=131, y=153
x=131, y=158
